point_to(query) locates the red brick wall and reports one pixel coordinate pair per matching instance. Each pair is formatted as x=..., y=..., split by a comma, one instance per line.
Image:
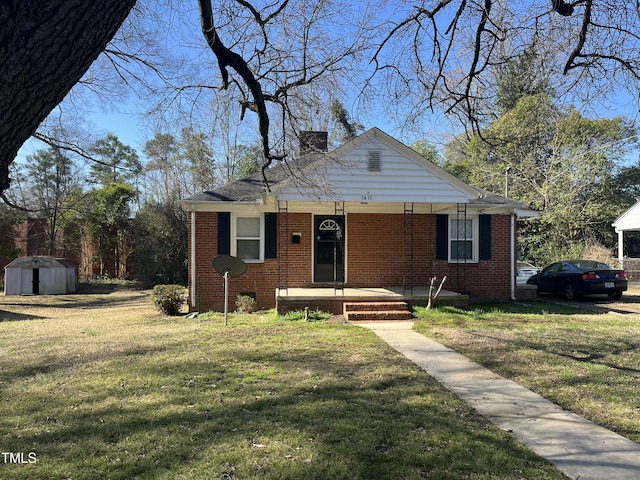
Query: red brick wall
x=375, y=245
x=260, y=279
x=300, y=260
x=379, y=249
x=207, y=291
x=487, y=279
x=32, y=239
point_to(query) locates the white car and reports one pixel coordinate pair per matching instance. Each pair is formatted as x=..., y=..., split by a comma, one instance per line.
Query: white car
x=523, y=271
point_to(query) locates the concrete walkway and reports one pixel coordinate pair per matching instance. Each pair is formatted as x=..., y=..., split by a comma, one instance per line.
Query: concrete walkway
x=581, y=449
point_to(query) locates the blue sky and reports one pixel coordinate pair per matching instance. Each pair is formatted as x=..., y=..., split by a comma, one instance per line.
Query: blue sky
x=134, y=131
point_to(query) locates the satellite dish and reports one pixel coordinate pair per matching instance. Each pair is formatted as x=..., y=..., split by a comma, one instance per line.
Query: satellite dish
x=232, y=266
x=228, y=266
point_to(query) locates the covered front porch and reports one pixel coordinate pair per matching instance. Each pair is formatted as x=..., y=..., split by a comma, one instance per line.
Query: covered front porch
x=332, y=299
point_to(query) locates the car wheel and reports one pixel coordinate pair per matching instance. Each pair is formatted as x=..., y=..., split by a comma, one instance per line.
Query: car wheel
x=615, y=295
x=570, y=292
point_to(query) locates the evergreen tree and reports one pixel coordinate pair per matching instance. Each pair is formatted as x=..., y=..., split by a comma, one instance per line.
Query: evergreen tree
x=49, y=180
x=109, y=225
x=114, y=162
x=159, y=244
x=562, y=164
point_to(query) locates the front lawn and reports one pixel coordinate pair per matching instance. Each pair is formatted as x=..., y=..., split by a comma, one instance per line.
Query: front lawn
x=588, y=363
x=101, y=386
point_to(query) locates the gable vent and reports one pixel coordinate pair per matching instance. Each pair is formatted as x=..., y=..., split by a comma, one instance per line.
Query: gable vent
x=374, y=161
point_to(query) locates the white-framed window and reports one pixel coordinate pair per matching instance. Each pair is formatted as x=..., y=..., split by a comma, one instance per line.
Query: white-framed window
x=463, y=239
x=248, y=238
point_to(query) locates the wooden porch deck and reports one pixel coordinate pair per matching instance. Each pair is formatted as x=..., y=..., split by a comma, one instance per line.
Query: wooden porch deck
x=332, y=300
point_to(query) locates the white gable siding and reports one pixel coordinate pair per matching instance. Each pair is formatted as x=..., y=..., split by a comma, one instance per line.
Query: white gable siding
x=401, y=178
x=629, y=220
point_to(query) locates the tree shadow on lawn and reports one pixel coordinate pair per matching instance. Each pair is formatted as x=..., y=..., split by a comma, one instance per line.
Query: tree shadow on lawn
x=65, y=365
x=565, y=344
x=400, y=426
x=62, y=303
x=15, y=317
x=106, y=287
x=575, y=351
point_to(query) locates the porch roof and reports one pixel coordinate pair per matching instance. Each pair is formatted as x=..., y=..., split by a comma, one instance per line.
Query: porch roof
x=629, y=220
x=252, y=189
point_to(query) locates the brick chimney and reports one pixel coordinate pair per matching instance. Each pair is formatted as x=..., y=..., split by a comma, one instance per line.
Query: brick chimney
x=313, y=141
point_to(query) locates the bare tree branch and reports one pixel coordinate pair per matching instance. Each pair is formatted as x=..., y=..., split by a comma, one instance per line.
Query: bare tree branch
x=582, y=38
x=229, y=59
x=453, y=51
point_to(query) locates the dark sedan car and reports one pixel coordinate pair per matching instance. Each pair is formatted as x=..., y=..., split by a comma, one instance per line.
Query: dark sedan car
x=574, y=278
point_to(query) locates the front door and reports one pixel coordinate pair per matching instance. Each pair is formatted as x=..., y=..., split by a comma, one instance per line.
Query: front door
x=329, y=248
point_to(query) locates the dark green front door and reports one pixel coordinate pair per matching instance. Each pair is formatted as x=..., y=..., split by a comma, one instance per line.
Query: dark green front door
x=329, y=248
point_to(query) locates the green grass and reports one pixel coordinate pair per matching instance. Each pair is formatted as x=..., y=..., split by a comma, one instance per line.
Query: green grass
x=101, y=386
x=588, y=363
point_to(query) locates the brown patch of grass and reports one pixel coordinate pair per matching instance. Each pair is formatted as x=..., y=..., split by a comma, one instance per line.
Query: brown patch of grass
x=101, y=386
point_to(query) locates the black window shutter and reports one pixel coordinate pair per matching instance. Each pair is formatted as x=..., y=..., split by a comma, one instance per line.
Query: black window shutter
x=270, y=235
x=224, y=233
x=484, y=230
x=442, y=237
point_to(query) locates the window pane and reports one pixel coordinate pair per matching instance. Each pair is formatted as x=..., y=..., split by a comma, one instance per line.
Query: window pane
x=461, y=229
x=249, y=249
x=461, y=250
x=249, y=227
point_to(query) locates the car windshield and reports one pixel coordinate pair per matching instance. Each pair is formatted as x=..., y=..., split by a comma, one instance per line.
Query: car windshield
x=591, y=265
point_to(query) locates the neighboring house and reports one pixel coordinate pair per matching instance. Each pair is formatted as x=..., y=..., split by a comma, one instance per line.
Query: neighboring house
x=372, y=215
x=629, y=248
x=32, y=237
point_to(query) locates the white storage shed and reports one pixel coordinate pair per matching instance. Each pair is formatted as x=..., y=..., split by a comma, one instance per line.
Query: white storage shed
x=40, y=275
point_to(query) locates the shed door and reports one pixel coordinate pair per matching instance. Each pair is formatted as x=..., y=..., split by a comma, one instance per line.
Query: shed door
x=30, y=281
x=26, y=281
x=36, y=281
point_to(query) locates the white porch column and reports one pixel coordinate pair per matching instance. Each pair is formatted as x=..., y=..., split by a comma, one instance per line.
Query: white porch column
x=620, y=245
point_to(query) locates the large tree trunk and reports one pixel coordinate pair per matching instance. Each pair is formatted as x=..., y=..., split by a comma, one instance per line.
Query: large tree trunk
x=45, y=48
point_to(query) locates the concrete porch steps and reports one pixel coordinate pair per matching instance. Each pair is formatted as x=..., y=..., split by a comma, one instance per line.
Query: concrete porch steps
x=376, y=311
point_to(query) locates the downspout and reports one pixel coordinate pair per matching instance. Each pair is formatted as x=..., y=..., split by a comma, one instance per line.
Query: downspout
x=194, y=284
x=513, y=257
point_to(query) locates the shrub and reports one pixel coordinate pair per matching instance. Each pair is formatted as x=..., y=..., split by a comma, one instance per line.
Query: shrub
x=168, y=298
x=598, y=252
x=245, y=304
x=308, y=315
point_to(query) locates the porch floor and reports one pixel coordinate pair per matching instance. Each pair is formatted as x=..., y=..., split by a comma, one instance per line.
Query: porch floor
x=332, y=300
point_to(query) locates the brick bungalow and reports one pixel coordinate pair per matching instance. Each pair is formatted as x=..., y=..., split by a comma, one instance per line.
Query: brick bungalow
x=371, y=216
